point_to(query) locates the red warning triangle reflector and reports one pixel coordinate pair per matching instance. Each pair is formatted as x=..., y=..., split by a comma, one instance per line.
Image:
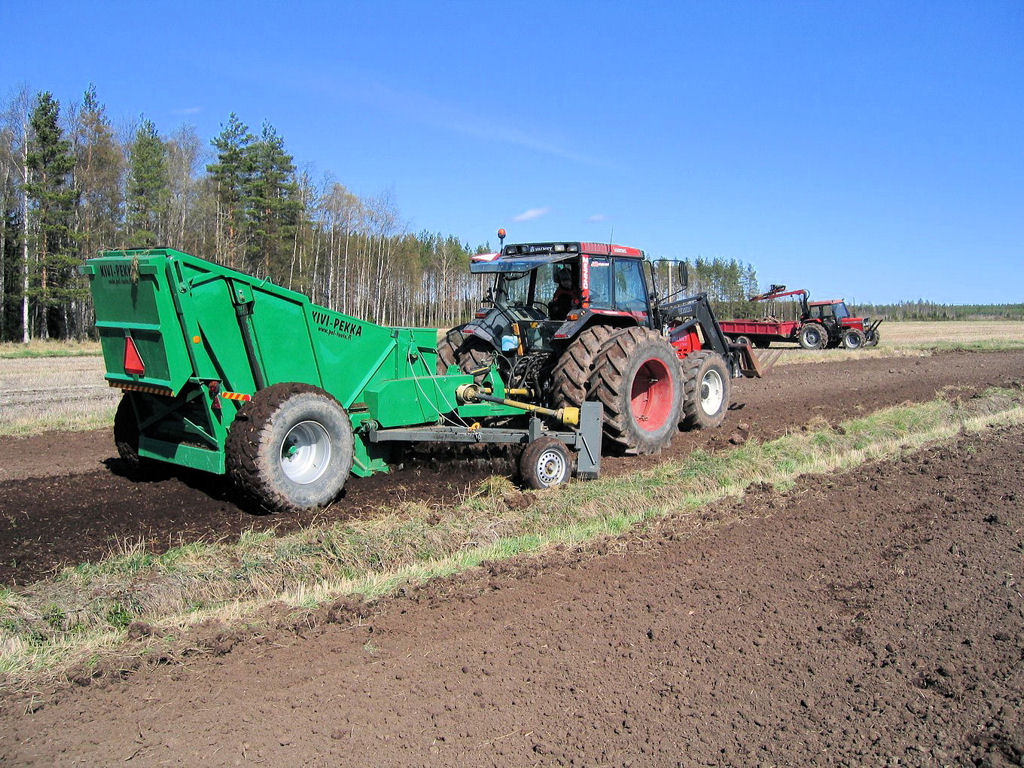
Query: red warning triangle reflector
x=132, y=361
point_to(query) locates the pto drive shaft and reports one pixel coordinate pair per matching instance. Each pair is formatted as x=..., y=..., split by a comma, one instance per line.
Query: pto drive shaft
x=471, y=393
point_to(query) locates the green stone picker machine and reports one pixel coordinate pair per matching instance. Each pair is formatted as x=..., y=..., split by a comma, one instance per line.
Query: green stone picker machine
x=230, y=374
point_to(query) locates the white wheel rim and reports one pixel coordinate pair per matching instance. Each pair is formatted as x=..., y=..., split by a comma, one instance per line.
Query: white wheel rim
x=305, y=452
x=712, y=392
x=551, y=467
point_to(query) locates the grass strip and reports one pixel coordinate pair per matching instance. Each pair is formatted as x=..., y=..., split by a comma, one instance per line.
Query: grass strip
x=57, y=421
x=84, y=612
x=14, y=350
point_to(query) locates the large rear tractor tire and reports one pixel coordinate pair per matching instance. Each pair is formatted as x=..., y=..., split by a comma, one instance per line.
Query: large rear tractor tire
x=706, y=390
x=469, y=353
x=854, y=339
x=545, y=463
x=636, y=379
x=571, y=374
x=813, y=336
x=290, y=448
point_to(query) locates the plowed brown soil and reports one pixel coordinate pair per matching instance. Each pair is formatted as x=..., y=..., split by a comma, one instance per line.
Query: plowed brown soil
x=63, y=498
x=869, y=618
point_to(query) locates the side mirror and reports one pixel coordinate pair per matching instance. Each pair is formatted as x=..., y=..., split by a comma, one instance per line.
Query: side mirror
x=683, y=275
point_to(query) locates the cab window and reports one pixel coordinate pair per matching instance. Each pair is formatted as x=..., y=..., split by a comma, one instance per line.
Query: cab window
x=600, y=283
x=630, y=291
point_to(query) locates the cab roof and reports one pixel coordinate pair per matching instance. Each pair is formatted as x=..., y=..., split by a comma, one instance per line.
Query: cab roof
x=522, y=257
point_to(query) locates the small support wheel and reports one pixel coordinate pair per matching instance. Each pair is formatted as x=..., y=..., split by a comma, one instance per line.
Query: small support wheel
x=745, y=341
x=545, y=463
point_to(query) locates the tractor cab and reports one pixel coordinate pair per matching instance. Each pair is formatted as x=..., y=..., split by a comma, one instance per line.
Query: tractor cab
x=828, y=311
x=545, y=293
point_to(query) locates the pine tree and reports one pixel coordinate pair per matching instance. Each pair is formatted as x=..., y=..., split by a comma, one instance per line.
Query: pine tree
x=231, y=174
x=148, y=188
x=271, y=205
x=99, y=165
x=52, y=198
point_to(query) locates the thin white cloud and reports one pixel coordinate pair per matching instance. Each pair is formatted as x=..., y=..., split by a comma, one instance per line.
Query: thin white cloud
x=596, y=217
x=451, y=117
x=531, y=214
x=187, y=111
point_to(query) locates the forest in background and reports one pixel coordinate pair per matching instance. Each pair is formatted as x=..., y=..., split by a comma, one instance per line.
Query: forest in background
x=70, y=187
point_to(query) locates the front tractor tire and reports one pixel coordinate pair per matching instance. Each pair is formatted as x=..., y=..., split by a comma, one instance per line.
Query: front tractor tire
x=290, y=448
x=813, y=336
x=636, y=379
x=570, y=377
x=854, y=339
x=545, y=463
x=706, y=390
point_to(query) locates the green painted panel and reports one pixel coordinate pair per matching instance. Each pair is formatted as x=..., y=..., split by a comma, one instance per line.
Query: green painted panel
x=133, y=298
x=180, y=453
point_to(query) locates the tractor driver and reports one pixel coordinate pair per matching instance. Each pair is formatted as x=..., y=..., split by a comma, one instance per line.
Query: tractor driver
x=566, y=296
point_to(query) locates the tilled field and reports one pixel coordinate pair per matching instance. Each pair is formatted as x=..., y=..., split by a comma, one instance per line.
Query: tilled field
x=869, y=618
x=63, y=499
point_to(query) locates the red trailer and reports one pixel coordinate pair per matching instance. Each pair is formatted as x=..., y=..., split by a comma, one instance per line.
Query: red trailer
x=821, y=324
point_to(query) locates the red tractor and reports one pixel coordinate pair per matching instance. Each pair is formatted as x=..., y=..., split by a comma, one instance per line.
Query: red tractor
x=567, y=322
x=822, y=324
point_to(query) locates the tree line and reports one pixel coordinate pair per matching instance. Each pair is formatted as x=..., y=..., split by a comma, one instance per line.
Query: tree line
x=929, y=310
x=70, y=187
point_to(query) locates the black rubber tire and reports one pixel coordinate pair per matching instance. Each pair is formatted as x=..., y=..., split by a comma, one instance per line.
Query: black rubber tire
x=126, y=440
x=812, y=336
x=446, y=347
x=126, y=434
x=570, y=376
x=545, y=463
x=854, y=339
x=742, y=340
x=761, y=342
x=706, y=390
x=470, y=353
x=874, y=339
x=279, y=418
x=636, y=377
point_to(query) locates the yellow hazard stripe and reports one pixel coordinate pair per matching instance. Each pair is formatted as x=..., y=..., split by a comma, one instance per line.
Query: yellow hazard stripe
x=235, y=396
x=142, y=388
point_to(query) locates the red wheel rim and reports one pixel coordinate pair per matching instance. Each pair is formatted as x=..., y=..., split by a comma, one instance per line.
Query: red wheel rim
x=651, y=395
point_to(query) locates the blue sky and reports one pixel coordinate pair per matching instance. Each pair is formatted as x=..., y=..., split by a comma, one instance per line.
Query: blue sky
x=866, y=150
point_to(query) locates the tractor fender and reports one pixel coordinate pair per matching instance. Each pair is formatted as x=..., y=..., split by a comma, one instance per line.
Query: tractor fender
x=474, y=329
x=570, y=329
